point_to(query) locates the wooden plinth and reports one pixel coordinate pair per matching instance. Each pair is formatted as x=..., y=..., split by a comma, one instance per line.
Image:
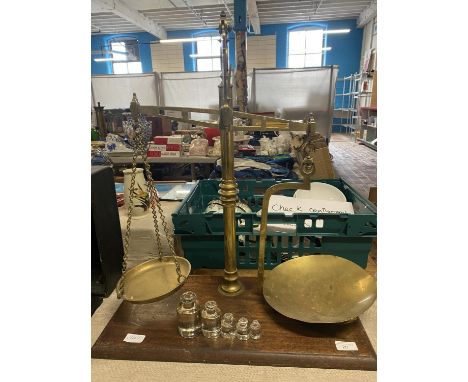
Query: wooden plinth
x=285, y=342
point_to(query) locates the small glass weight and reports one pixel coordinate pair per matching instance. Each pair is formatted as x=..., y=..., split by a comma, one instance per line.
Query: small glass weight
x=255, y=331
x=228, y=326
x=242, y=329
x=188, y=315
x=211, y=320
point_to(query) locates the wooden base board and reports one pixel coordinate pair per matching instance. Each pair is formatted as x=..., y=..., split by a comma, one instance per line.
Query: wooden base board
x=284, y=342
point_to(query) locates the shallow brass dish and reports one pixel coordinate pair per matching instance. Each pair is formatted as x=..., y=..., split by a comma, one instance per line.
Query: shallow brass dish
x=152, y=280
x=319, y=289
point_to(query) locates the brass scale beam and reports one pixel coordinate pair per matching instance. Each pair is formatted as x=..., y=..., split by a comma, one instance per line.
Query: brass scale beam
x=282, y=124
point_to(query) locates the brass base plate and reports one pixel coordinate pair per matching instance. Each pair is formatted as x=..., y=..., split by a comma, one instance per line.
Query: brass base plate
x=319, y=289
x=153, y=280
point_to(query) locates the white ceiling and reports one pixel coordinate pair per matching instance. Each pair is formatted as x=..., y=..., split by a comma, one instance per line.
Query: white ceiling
x=175, y=15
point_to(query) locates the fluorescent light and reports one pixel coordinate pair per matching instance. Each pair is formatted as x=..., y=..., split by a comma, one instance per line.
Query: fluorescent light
x=336, y=31
x=196, y=55
x=327, y=48
x=177, y=40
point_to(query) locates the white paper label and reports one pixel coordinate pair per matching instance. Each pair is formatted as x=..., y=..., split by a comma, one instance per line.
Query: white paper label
x=289, y=206
x=134, y=338
x=346, y=346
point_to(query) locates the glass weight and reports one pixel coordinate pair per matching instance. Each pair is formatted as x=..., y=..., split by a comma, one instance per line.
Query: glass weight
x=242, y=329
x=211, y=320
x=255, y=331
x=188, y=315
x=228, y=327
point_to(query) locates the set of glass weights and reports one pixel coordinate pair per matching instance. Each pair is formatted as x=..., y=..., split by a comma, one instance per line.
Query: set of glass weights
x=193, y=320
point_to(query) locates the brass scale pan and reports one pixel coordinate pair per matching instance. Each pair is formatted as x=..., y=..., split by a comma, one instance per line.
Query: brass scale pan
x=314, y=288
x=152, y=280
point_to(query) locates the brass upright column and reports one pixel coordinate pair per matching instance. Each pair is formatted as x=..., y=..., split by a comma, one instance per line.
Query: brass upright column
x=228, y=187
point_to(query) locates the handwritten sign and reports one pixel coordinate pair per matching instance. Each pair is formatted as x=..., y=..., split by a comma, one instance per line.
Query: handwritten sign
x=289, y=206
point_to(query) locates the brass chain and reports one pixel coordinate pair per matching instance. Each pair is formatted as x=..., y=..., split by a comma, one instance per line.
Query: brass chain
x=130, y=212
x=153, y=200
x=129, y=219
x=170, y=241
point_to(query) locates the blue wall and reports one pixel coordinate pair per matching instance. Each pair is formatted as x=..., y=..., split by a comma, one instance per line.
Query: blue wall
x=100, y=42
x=346, y=48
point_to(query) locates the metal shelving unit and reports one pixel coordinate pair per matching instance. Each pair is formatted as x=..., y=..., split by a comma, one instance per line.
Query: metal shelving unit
x=348, y=101
x=352, y=102
x=368, y=131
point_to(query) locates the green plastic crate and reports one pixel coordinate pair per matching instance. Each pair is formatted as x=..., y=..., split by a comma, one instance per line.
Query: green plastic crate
x=202, y=234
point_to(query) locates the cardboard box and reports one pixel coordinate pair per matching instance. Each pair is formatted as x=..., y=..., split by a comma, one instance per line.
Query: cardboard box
x=170, y=139
x=164, y=154
x=168, y=147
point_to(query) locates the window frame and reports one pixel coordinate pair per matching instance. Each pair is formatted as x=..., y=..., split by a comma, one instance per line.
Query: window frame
x=305, y=54
x=137, y=59
x=211, y=57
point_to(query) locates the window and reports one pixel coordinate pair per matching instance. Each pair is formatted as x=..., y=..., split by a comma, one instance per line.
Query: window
x=305, y=48
x=208, y=54
x=128, y=61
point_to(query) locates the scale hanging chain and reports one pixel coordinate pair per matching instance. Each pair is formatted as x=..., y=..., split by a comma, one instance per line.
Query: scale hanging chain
x=153, y=200
x=136, y=153
x=130, y=212
x=156, y=202
x=170, y=240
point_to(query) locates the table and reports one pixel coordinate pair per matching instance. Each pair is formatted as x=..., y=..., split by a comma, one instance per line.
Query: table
x=192, y=160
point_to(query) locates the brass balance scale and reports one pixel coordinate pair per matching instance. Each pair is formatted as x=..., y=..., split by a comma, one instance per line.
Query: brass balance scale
x=313, y=289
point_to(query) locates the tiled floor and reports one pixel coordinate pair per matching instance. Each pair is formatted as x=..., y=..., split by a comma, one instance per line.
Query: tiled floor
x=355, y=163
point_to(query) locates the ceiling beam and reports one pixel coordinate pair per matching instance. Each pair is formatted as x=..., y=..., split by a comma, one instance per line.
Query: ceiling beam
x=308, y=2
x=198, y=14
x=316, y=6
x=367, y=14
x=307, y=18
x=285, y=9
x=120, y=8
